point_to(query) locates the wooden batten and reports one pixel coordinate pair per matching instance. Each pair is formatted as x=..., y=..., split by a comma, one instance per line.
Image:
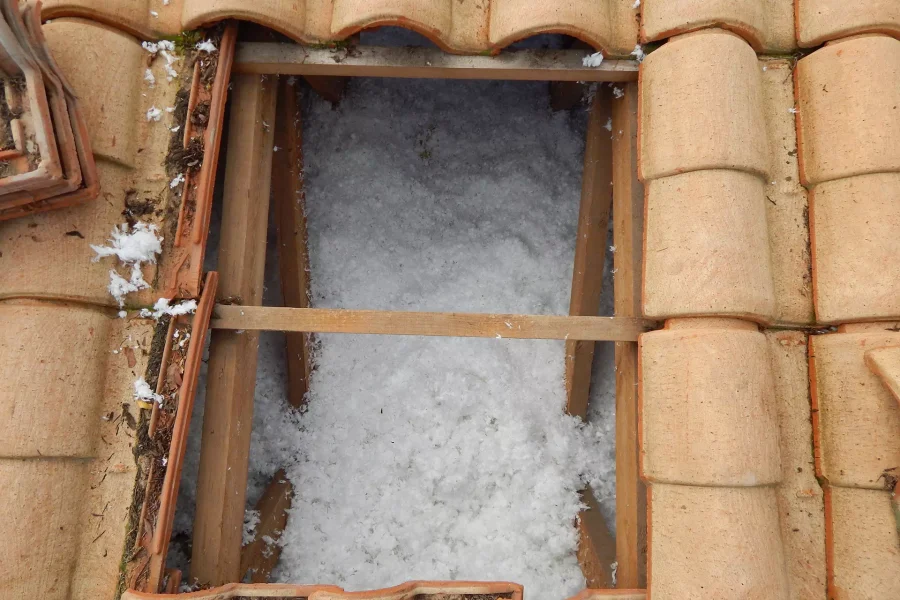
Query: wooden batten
x=386, y=322
x=289, y=204
x=424, y=63
x=590, y=249
x=628, y=224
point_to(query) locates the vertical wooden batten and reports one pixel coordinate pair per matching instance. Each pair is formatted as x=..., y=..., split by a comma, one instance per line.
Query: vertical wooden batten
x=596, y=544
x=628, y=221
x=289, y=204
x=590, y=249
x=225, y=443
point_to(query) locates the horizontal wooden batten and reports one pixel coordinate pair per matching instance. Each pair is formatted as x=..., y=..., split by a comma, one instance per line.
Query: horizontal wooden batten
x=382, y=322
x=267, y=58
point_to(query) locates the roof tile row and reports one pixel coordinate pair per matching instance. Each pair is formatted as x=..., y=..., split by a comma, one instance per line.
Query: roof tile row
x=471, y=27
x=849, y=130
x=66, y=444
x=725, y=230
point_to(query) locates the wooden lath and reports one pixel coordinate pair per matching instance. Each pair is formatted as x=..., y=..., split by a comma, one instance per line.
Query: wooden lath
x=387, y=322
x=427, y=63
x=628, y=227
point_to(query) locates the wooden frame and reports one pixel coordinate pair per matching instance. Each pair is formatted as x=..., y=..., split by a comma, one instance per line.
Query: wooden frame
x=604, y=160
x=387, y=322
x=267, y=58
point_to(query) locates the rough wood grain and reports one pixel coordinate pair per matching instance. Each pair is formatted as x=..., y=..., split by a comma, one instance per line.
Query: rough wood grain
x=596, y=544
x=289, y=202
x=259, y=557
x=225, y=445
x=376, y=61
x=628, y=226
x=590, y=250
x=385, y=322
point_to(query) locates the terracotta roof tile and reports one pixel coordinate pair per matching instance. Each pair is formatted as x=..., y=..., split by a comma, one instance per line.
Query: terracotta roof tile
x=66, y=450
x=800, y=498
x=106, y=58
x=749, y=256
x=702, y=86
x=132, y=16
x=858, y=418
x=712, y=542
x=849, y=109
x=50, y=403
x=40, y=530
x=768, y=25
x=856, y=247
x=864, y=561
x=707, y=407
x=464, y=27
x=59, y=245
x=706, y=246
x=821, y=20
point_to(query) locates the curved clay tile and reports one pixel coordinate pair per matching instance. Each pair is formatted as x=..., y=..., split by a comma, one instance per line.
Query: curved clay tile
x=712, y=542
x=863, y=561
x=706, y=246
x=59, y=398
x=819, y=21
x=290, y=18
x=706, y=538
x=110, y=117
x=701, y=107
x=858, y=419
x=767, y=25
x=468, y=27
x=848, y=98
x=607, y=24
x=458, y=27
x=856, y=248
x=708, y=414
x=133, y=16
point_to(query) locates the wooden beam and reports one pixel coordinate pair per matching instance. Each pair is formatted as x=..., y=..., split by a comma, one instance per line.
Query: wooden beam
x=596, y=545
x=289, y=204
x=628, y=225
x=225, y=442
x=590, y=249
x=261, y=554
x=385, y=322
x=418, y=63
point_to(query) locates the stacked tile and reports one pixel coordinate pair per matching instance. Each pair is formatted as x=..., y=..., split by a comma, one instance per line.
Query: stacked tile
x=848, y=124
x=67, y=437
x=725, y=250
x=45, y=159
x=459, y=27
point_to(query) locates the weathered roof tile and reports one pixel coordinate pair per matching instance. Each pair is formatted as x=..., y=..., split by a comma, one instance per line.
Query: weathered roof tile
x=849, y=109
x=702, y=86
x=819, y=21
x=768, y=25
x=707, y=407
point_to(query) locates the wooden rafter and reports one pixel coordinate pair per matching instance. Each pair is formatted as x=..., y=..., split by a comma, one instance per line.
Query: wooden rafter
x=376, y=61
x=628, y=223
x=590, y=250
x=289, y=205
x=386, y=322
x=227, y=421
